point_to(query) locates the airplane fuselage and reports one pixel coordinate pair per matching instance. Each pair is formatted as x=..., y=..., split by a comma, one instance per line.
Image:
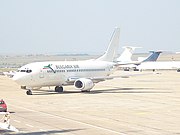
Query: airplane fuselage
x=58, y=73
x=159, y=65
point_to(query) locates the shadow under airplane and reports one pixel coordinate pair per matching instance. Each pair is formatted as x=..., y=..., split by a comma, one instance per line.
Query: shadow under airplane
x=99, y=91
x=5, y=132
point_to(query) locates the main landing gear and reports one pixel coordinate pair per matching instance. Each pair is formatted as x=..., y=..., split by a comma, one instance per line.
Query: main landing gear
x=59, y=89
x=29, y=92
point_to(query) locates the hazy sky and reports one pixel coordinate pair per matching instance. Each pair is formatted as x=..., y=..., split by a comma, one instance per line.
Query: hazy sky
x=85, y=26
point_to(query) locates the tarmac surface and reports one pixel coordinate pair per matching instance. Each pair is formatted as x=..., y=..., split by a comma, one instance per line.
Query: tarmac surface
x=139, y=105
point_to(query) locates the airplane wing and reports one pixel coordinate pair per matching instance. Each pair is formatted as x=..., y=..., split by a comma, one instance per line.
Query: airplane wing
x=127, y=63
x=100, y=79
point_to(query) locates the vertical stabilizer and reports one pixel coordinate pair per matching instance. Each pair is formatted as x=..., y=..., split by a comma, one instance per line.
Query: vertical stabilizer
x=152, y=57
x=112, y=50
x=126, y=54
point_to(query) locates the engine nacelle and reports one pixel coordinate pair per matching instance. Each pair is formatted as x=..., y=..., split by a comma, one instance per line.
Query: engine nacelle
x=84, y=84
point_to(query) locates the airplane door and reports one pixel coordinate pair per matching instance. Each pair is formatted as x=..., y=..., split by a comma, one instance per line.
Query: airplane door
x=41, y=74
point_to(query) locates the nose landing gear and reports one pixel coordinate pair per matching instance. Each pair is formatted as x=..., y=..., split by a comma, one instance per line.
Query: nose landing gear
x=29, y=92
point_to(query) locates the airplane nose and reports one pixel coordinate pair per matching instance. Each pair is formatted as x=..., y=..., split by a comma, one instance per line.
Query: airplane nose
x=17, y=79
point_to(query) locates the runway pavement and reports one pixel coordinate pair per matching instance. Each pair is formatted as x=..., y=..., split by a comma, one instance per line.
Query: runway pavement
x=138, y=105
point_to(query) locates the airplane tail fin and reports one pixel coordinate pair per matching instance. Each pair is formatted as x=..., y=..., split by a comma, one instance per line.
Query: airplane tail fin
x=112, y=50
x=126, y=54
x=153, y=57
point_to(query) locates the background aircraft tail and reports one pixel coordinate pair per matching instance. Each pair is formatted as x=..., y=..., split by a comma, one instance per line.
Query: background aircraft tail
x=112, y=50
x=152, y=57
x=126, y=54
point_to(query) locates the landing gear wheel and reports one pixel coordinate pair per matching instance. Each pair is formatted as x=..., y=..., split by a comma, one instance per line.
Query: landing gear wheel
x=136, y=69
x=59, y=89
x=29, y=92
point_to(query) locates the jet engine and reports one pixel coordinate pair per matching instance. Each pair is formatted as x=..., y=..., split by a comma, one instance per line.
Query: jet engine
x=84, y=84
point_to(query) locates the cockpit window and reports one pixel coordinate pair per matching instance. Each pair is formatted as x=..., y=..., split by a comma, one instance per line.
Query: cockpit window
x=27, y=71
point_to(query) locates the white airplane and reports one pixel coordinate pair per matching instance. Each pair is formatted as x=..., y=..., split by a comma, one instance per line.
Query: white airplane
x=142, y=60
x=81, y=74
x=159, y=65
x=151, y=64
